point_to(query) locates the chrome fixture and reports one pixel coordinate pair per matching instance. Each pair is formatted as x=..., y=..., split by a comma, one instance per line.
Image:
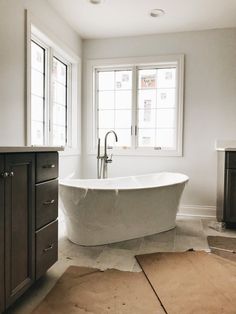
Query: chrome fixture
x=102, y=161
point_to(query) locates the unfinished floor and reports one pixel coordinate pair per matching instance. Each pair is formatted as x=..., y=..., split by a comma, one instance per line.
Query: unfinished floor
x=189, y=233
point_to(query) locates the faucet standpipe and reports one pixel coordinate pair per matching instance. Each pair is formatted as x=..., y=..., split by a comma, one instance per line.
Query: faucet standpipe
x=102, y=161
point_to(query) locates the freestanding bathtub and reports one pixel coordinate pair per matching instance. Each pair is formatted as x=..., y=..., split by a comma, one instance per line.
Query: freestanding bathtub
x=101, y=211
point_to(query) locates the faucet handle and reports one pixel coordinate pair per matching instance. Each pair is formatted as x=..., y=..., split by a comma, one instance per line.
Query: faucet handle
x=109, y=160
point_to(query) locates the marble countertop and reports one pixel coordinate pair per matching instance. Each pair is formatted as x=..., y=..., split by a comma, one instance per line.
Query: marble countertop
x=25, y=149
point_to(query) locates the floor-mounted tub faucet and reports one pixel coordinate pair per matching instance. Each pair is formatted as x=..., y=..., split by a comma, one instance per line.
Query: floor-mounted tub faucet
x=102, y=161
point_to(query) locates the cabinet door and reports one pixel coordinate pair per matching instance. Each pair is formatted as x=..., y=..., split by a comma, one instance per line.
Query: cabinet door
x=19, y=225
x=2, y=295
x=230, y=201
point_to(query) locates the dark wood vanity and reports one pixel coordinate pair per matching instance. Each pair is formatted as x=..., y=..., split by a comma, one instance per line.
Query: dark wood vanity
x=226, y=187
x=28, y=218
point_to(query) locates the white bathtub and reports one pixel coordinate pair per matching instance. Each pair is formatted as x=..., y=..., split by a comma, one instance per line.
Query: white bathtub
x=112, y=210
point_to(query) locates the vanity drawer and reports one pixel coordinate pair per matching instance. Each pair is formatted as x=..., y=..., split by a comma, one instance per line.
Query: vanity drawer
x=46, y=166
x=46, y=248
x=231, y=160
x=46, y=203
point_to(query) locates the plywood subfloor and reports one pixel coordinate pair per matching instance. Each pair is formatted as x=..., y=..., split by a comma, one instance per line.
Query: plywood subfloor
x=85, y=290
x=191, y=282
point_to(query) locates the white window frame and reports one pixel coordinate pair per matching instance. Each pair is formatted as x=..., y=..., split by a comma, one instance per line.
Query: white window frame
x=136, y=63
x=56, y=48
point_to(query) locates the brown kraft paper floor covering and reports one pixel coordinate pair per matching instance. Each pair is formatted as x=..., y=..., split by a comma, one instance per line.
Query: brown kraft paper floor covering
x=223, y=243
x=85, y=290
x=192, y=282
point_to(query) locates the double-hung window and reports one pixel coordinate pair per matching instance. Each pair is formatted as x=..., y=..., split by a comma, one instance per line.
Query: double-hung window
x=50, y=95
x=143, y=104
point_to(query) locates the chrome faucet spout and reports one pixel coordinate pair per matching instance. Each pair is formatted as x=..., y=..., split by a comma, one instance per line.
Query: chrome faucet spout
x=105, y=143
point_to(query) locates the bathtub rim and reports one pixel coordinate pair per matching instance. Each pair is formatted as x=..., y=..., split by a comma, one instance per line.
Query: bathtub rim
x=67, y=184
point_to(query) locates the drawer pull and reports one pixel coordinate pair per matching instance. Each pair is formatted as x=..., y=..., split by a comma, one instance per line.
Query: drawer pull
x=49, y=248
x=49, y=166
x=5, y=174
x=49, y=202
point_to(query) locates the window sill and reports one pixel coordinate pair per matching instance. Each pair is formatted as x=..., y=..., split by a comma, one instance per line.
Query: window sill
x=140, y=152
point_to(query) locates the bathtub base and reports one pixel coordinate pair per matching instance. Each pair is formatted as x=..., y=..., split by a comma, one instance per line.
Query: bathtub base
x=98, y=216
x=97, y=243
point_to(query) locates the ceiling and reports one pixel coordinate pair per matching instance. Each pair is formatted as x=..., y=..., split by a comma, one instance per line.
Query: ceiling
x=118, y=18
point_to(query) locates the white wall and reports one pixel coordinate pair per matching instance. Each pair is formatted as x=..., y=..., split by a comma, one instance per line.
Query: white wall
x=209, y=108
x=13, y=65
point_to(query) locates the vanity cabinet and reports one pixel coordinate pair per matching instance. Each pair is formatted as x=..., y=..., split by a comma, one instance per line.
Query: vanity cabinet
x=226, y=188
x=28, y=220
x=2, y=291
x=19, y=223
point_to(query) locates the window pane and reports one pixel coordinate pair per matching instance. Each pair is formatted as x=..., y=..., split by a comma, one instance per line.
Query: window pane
x=37, y=83
x=146, y=118
x=166, y=78
x=59, y=135
x=37, y=108
x=59, y=115
x=37, y=57
x=123, y=99
x=59, y=71
x=59, y=93
x=37, y=94
x=60, y=82
x=165, y=118
x=37, y=133
x=106, y=100
x=156, y=107
x=166, y=98
x=146, y=137
x=106, y=80
x=106, y=119
x=123, y=79
x=123, y=119
x=124, y=138
x=147, y=78
x=165, y=138
x=114, y=104
x=147, y=99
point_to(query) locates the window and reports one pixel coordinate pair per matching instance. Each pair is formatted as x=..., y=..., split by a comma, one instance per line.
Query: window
x=114, y=96
x=50, y=87
x=143, y=104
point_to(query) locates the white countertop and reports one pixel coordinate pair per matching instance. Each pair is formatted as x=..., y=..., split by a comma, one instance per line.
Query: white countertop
x=25, y=149
x=226, y=149
x=225, y=145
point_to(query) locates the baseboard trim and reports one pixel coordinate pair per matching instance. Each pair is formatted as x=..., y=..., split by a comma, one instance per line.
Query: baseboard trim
x=197, y=211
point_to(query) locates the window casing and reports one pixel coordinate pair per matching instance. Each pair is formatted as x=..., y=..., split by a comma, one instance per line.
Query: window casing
x=50, y=95
x=148, y=119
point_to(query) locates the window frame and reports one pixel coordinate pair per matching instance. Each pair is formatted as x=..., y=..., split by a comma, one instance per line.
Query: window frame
x=50, y=54
x=135, y=64
x=35, y=27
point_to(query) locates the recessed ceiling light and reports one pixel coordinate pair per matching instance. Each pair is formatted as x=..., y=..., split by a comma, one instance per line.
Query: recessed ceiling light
x=157, y=12
x=96, y=1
